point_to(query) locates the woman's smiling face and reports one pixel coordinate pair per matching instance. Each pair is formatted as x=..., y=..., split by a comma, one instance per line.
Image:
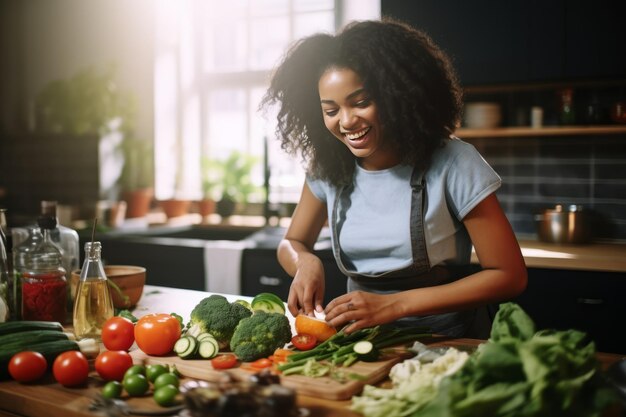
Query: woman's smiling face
x=351, y=116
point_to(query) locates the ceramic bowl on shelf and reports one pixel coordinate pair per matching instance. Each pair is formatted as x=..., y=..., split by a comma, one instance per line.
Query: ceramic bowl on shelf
x=482, y=115
x=128, y=278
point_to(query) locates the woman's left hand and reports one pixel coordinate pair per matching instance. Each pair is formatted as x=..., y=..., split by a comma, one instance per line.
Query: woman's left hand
x=363, y=309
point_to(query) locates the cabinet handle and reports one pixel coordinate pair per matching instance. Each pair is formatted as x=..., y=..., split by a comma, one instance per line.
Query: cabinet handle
x=272, y=281
x=590, y=301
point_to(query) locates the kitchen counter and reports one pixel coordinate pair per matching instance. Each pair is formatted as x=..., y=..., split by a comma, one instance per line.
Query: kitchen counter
x=49, y=399
x=609, y=257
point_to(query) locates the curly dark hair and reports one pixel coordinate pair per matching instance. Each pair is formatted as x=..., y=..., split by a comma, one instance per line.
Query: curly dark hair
x=409, y=78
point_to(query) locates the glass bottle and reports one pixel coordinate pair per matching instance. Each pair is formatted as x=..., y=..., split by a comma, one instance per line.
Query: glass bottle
x=93, y=304
x=44, y=287
x=566, y=110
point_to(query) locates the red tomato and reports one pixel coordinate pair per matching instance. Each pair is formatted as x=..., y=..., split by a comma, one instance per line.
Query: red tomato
x=262, y=363
x=70, y=368
x=156, y=334
x=112, y=364
x=225, y=361
x=118, y=333
x=304, y=341
x=27, y=366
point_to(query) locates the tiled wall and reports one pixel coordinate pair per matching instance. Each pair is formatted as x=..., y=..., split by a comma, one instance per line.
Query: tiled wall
x=540, y=172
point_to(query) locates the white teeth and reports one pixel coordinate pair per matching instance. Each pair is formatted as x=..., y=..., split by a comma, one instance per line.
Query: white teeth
x=353, y=136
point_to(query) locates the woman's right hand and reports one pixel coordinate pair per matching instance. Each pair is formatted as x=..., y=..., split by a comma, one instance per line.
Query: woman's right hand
x=306, y=293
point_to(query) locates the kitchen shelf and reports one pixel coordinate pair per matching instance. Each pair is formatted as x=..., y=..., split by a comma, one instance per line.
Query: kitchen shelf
x=505, y=132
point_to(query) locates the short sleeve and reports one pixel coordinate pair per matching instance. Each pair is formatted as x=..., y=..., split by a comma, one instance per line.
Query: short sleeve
x=470, y=179
x=318, y=187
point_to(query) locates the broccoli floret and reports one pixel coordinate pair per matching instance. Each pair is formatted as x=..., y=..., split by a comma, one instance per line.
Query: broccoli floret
x=217, y=316
x=260, y=335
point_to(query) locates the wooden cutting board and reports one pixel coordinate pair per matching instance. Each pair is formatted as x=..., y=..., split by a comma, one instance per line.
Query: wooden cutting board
x=324, y=387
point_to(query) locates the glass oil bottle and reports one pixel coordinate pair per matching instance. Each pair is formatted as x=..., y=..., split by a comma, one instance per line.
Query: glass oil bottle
x=93, y=304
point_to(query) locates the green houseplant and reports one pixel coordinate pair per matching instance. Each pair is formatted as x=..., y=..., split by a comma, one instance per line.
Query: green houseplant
x=90, y=102
x=235, y=181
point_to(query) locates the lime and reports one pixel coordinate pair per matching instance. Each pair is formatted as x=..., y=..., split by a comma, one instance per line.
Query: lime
x=136, y=385
x=112, y=389
x=153, y=371
x=135, y=370
x=165, y=396
x=166, y=379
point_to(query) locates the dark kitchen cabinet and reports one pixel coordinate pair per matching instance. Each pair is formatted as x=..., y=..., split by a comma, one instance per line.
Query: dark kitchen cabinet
x=589, y=301
x=261, y=272
x=169, y=262
x=492, y=42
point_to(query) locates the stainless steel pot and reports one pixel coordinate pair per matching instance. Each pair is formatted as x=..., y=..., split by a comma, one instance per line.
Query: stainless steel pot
x=560, y=225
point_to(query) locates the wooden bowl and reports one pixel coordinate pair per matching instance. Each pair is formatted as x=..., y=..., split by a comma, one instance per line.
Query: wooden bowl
x=130, y=280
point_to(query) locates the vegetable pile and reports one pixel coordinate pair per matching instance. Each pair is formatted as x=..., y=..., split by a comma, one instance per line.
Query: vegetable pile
x=344, y=349
x=518, y=372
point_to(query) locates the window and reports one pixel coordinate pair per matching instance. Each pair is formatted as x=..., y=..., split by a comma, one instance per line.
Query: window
x=213, y=60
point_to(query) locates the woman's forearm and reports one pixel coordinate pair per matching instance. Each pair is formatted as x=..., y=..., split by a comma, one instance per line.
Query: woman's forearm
x=294, y=255
x=484, y=287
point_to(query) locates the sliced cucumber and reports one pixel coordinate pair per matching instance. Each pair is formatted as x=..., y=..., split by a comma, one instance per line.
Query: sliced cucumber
x=363, y=347
x=203, y=336
x=207, y=349
x=366, y=351
x=186, y=347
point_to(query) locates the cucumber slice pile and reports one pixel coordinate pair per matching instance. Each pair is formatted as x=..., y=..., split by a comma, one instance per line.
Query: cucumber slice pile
x=203, y=346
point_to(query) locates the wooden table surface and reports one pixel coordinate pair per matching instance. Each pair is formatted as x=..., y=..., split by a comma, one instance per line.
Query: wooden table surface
x=49, y=399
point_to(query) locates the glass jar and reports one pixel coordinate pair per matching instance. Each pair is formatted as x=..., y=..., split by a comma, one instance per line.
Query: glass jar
x=44, y=286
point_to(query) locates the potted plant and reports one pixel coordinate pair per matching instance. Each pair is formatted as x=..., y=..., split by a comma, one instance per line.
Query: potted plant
x=178, y=204
x=136, y=181
x=235, y=182
x=210, y=176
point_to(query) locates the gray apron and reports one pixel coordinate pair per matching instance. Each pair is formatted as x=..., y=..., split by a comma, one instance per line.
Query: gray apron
x=466, y=323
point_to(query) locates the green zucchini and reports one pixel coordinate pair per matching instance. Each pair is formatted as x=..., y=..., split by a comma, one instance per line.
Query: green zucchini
x=32, y=337
x=266, y=301
x=26, y=325
x=50, y=350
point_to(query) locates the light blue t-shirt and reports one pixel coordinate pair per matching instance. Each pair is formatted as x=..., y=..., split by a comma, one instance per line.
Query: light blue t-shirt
x=375, y=235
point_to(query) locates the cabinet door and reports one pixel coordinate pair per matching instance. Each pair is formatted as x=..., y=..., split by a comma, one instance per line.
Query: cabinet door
x=261, y=272
x=588, y=301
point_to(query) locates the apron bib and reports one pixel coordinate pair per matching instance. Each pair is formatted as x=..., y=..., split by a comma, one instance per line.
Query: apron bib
x=419, y=274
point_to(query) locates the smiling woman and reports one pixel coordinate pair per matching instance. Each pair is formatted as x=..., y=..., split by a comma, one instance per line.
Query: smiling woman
x=372, y=110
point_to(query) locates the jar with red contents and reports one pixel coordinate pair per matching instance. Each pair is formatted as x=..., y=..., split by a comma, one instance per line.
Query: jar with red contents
x=44, y=286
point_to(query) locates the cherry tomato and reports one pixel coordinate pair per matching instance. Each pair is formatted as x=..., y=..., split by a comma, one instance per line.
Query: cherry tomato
x=70, y=368
x=118, y=333
x=304, y=341
x=111, y=365
x=225, y=361
x=156, y=334
x=262, y=363
x=27, y=366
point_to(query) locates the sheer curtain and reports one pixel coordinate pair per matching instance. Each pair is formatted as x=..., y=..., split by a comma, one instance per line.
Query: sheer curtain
x=212, y=63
